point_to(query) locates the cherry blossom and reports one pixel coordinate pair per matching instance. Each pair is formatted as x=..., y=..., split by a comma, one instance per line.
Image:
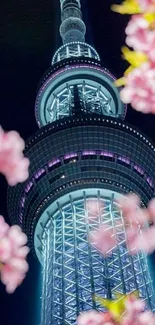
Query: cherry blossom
x=134, y=305
x=141, y=241
x=147, y=5
x=13, y=253
x=140, y=89
x=140, y=236
x=5, y=249
x=129, y=203
x=92, y=317
x=11, y=277
x=133, y=314
x=139, y=78
x=137, y=33
x=140, y=36
x=134, y=308
x=94, y=207
x=103, y=239
x=151, y=210
x=145, y=318
x=132, y=214
x=13, y=164
x=3, y=227
x=17, y=237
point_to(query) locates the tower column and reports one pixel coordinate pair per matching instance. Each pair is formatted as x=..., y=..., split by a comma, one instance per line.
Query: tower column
x=74, y=271
x=72, y=28
x=81, y=161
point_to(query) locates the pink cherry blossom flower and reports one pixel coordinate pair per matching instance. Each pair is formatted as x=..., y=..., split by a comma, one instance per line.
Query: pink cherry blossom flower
x=11, y=277
x=5, y=249
x=140, y=89
x=94, y=207
x=13, y=253
x=3, y=227
x=151, y=47
x=133, y=307
x=13, y=164
x=129, y=204
x=151, y=210
x=142, y=241
x=135, y=314
x=140, y=237
x=132, y=214
x=19, y=172
x=22, y=252
x=147, y=5
x=137, y=32
x=12, y=244
x=145, y=318
x=17, y=237
x=19, y=264
x=141, y=37
x=131, y=236
x=103, y=239
x=11, y=139
x=91, y=317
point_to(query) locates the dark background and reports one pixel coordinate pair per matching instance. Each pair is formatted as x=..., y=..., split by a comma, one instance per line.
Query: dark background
x=29, y=36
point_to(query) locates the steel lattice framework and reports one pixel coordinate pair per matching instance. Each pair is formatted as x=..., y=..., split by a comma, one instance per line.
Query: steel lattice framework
x=74, y=270
x=75, y=49
x=95, y=88
x=93, y=99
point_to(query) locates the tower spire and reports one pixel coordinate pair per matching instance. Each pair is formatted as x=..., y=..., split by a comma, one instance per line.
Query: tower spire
x=72, y=28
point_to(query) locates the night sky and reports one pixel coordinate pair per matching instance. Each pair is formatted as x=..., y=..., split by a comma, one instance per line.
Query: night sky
x=29, y=37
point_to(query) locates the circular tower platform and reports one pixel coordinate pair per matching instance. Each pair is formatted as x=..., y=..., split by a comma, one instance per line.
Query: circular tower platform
x=94, y=84
x=78, y=153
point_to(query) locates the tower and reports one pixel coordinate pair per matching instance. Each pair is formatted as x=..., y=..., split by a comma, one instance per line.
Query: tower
x=82, y=158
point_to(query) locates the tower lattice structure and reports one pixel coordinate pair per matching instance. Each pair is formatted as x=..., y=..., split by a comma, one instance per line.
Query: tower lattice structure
x=82, y=159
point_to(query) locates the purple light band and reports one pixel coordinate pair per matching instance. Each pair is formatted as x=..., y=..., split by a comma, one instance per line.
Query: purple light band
x=70, y=155
x=139, y=169
x=126, y=160
x=150, y=181
x=88, y=153
x=28, y=186
x=107, y=154
x=39, y=173
x=53, y=162
x=23, y=201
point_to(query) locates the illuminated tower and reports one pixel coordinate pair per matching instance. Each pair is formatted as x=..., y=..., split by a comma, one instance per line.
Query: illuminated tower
x=82, y=158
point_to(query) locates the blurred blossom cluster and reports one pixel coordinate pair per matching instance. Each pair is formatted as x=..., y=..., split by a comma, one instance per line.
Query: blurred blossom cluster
x=130, y=312
x=13, y=164
x=140, y=236
x=13, y=252
x=139, y=78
